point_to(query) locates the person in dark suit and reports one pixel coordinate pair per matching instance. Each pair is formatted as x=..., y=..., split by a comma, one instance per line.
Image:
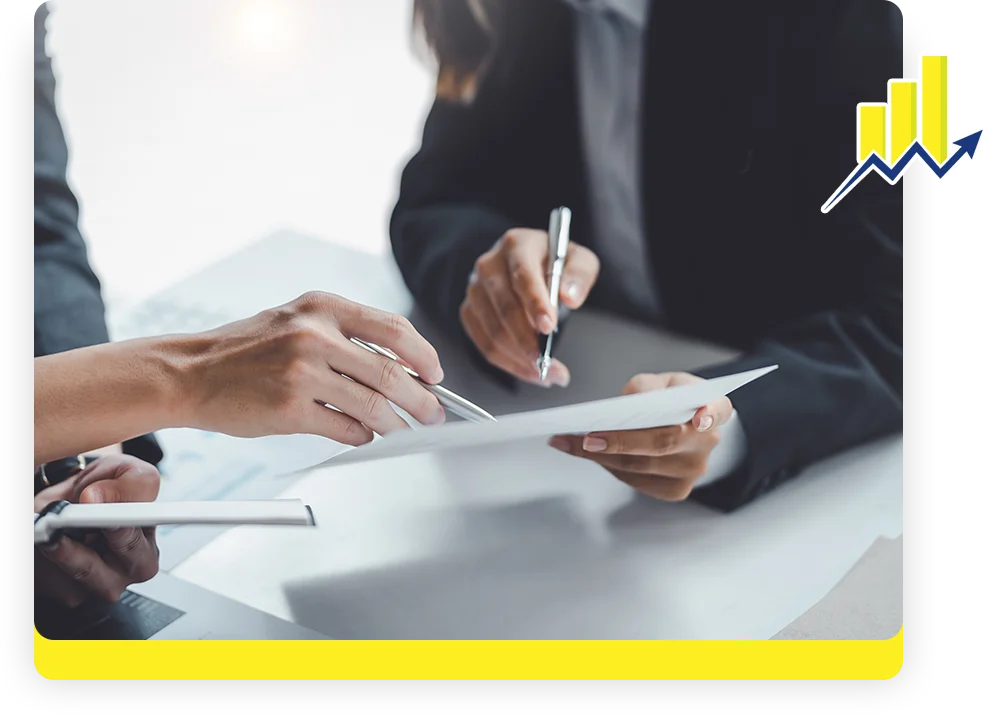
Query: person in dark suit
x=694, y=144
x=68, y=306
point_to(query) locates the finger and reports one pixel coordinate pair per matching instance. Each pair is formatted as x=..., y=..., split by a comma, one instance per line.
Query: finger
x=526, y=268
x=581, y=270
x=388, y=377
x=713, y=415
x=661, y=487
x=685, y=465
x=136, y=481
x=661, y=441
x=84, y=567
x=362, y=403
x=132, y=553
x=323, y=420
x=640, y=383
x=51, y=582
x=479, y=320
x=395, y=333
x=510, y=315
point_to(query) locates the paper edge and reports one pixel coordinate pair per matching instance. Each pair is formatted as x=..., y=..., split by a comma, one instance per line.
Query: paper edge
x=334, y=460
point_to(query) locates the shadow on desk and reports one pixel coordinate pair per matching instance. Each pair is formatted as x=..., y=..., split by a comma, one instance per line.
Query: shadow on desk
x=530, y=570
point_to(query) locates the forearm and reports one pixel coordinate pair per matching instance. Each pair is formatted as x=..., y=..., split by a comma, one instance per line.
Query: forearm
x=87, y=398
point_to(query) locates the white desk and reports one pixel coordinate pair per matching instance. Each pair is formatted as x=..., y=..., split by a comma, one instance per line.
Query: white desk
x=527, y=542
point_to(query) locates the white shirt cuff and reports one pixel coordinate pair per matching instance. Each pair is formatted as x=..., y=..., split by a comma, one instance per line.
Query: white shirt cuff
x=727, y=455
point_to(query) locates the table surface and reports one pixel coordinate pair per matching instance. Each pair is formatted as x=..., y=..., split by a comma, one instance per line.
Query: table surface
x=524, y=541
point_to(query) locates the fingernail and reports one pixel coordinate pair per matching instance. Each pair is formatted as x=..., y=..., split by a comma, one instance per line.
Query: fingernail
x=572, y=291
x=439, y=375
x=561, y=379
x=560, y=443
x=545, y=323
x=705, y=422
x=594, y=443
x=438, y=416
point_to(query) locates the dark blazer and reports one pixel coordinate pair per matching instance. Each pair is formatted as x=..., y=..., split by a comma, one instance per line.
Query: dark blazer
x=748, y=127
x=68, y=308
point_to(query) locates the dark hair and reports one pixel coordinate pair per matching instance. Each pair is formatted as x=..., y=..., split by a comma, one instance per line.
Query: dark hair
x=462, y=37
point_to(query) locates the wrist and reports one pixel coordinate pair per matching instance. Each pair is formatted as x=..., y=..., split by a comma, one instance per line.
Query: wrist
x=176, y=376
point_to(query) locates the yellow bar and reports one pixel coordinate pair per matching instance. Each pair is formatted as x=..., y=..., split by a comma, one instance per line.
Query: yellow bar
x=904, y=116
x=872, y=130
x=968, y=92
x=934, y=107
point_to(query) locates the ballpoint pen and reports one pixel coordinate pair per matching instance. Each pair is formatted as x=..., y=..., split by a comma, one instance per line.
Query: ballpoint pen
x=558, y=249
x=447, y=398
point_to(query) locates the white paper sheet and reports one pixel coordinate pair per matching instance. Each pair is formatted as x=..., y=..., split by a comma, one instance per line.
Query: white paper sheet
x=664, y=407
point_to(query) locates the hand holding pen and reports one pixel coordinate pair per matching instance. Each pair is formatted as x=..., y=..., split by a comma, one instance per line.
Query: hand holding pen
x=509, y=310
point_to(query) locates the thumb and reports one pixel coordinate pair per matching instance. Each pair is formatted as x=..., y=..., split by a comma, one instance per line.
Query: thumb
x=582, y=267
x=713, y=415
x=138, y=485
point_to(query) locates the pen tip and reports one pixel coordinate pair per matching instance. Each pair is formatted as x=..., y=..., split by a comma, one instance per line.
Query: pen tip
x=544, y=364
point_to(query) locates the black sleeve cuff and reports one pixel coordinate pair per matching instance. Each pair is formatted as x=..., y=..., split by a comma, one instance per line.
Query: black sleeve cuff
x=145, y=448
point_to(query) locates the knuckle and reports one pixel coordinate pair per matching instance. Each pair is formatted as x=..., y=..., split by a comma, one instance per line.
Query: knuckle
x=638, y=383
x=485, y=266
x=375, y=406
x=314, y=300
x=302, y=338
x=130, y=542
x=83, y=573
x=354, y=434
x=511, y=239
x=390, y=376
x=397, y=326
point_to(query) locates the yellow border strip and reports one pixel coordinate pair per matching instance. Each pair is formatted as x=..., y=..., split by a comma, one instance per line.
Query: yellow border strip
x=464, y=659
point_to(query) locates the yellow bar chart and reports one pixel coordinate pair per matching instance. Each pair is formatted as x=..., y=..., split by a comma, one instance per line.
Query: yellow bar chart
x=934, y=107
x=888, y=129
x=872, y=135
x=904, y=116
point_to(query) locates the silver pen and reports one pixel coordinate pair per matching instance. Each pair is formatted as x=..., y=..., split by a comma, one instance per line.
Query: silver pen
x=447, y=398
x=558, y=249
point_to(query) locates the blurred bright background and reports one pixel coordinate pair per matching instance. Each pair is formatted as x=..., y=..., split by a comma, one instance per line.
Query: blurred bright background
x=196, y=127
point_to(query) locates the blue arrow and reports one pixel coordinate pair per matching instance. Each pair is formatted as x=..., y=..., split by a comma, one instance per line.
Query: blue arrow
x=968, y=145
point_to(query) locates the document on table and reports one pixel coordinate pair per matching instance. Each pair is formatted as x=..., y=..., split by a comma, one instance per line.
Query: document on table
x=665, y=407
x=865, y=605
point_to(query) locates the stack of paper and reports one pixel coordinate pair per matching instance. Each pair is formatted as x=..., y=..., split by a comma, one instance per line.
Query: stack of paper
x=864, y=605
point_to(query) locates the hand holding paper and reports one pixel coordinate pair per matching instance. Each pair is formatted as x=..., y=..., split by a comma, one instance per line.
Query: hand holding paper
x=662, y=462
x=666, y=407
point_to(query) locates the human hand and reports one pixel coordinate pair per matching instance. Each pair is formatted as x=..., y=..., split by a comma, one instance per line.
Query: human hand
x=507, y=303
x=101, y=568
x=664, y=462
x=273, y=373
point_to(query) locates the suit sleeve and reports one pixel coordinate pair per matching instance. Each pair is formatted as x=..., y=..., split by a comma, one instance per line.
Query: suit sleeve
x=839, y=382
x=447, y=214
x=68, y=306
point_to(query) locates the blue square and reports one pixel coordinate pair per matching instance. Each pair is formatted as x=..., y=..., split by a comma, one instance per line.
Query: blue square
x=964, y=196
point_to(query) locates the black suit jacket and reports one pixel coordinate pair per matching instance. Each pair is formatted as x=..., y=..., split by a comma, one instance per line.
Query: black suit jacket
x=68, y=308
x=748, y=126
